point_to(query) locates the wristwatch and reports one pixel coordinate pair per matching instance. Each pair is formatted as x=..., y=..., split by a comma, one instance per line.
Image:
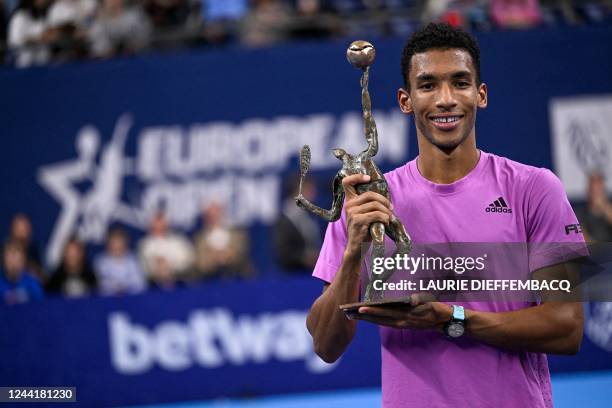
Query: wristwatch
x=455, y=327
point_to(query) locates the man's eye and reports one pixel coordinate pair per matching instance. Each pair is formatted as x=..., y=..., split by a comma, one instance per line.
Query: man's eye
x=426, y=86
x=463, y=84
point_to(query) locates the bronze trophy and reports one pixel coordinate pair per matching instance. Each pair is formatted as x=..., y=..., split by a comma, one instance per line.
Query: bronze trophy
x=361, y=55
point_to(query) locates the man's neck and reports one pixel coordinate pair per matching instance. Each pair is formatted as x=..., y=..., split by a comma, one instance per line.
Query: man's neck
x=442, y=167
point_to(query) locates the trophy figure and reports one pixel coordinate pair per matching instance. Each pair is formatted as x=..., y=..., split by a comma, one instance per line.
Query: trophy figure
x=361, y=55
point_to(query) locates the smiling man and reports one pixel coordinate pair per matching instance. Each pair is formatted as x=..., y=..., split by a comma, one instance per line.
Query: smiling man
x=451, y=355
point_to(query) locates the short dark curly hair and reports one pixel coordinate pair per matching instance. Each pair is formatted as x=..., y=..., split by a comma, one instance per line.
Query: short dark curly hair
x=439, y=36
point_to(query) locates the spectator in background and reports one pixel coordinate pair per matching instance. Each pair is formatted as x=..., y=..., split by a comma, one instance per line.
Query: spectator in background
x=117, y=269
x=516, y=13
x=313, y=22
x=220, y=19
x=596, y=215
x=223, y=9
x=71, y=20
x=79, y=13
x=433, y=10
x=3, y=29
x=296, y=235
x=21, y=232
x=118, y=29
x=29, y=36
x=266, y=23
x=458, y=13
x=167, y=13
x=160, y=243
x=74, y=277
x=17, y=283
x=221, y=251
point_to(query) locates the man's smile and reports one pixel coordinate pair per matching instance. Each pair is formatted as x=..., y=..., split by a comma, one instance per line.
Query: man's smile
x=446, y=121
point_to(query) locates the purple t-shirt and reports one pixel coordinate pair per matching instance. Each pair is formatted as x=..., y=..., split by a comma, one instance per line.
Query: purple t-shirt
x=424, y=368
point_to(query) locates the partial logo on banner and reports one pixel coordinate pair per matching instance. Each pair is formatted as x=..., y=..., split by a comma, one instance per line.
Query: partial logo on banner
x=582, y=140
x=183, y=168
x=598, y=324
x=212, y=339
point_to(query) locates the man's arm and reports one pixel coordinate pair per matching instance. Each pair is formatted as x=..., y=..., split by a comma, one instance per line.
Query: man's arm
x=332, y=214
x=331, y=330
x=554, y=326
x=371, y=133
x=551, y=327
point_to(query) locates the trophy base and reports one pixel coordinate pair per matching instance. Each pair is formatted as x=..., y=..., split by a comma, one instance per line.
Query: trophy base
x=353, y=308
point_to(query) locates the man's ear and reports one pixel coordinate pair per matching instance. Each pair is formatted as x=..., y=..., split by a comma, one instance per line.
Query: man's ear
x=405, y=103
x=482, y=96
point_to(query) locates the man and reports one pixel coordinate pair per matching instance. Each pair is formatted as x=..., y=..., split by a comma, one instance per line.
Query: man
x=117, y=268
x=442, y=196
x=17, y=283
x=296, y=234
x=159, y=243
x=596, y=215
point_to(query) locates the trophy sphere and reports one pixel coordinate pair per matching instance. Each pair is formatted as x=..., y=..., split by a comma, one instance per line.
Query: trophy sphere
x=361, y=54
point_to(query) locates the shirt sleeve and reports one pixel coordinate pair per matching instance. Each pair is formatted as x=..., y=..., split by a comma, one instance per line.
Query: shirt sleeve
x=553, y=232
x=332, y=251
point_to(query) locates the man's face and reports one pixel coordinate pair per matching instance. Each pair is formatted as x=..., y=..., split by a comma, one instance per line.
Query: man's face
x=117, y=244
x=14, y=262
x=444, y=96
x=159, y=225
x=73, y=256
x=22, y=229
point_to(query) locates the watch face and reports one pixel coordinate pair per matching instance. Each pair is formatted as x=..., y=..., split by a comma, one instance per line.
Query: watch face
x=455, y=330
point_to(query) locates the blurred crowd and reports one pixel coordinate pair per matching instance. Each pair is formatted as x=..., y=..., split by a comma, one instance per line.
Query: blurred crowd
x=36, y=32
x=164, y=259
x=161, y=260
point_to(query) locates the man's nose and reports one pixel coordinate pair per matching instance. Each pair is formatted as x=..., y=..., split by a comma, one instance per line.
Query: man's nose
x=446, y=98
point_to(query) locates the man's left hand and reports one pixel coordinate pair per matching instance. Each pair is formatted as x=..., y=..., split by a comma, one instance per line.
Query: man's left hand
x=425, y=315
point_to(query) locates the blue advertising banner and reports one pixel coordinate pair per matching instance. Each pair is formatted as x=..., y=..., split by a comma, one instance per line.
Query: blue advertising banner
x=236, y=339
x=226, y=340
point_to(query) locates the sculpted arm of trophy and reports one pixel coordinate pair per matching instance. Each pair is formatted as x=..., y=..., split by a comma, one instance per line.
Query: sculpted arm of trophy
x=334, y=213
x=339, y=195
x=331, y=330
x=371, y=133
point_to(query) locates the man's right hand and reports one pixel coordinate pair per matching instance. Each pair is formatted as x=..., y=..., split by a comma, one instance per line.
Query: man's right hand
x=331, y=331
x=361, y=211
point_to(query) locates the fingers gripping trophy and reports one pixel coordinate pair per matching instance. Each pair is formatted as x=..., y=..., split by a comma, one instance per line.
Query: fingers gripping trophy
x=361, y=55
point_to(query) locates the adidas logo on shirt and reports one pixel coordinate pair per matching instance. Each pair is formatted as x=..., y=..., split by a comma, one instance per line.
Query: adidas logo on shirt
x=498, y=206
